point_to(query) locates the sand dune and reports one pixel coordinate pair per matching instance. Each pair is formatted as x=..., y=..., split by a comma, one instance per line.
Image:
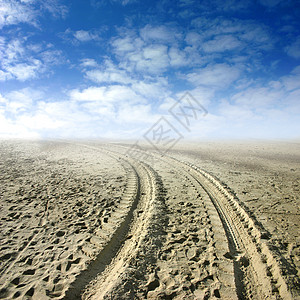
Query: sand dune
x=86, y=220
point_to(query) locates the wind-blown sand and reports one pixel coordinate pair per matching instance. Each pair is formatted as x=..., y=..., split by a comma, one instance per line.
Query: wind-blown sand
x=207, y=220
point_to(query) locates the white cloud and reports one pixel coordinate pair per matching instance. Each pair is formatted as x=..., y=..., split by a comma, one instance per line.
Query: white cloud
x=110, y=94
x=11, y=51
x=54, y=8
x=140, y=113
x=108, y=76
x=82, y=36
x=222, y=43
x=204, y=95
x=88, y=62
x=256, y=98
x=23, y=60
x=159, y=34
x=193, y=38
x=52, y=57
x=150, y=88
x=25, y=71
x=21, y=101
x=292, y=81
x=178, y=58
x=154, y=91
x=89, y=94
x=235, y=113
x=254, y=35
x=3, y=101
x=126, y=44
x=14, y=12
x=151, y=59
x=292, y=104
x=11, y=129
x=108, y=73
x=154, y=52
x=22, y=116
x=124, y=111
x=270, y=110
x=40, y=121
x=5, y=75
x=85, y=36
x=217, y=76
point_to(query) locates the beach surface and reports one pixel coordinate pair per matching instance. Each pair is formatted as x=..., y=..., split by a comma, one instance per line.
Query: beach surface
x=106, y=220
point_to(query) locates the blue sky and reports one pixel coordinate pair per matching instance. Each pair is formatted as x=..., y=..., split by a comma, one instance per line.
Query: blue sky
x=112, y=68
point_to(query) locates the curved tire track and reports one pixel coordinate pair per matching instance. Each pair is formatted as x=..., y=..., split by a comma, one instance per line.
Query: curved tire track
x=115, y=256
x=258, y=273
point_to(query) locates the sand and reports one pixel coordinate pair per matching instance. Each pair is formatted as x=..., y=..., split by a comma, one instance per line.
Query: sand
x=207, y=220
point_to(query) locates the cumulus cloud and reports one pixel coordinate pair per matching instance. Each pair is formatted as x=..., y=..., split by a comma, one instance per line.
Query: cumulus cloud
x=25, y=71
x=155, y=91
x=154, y=59
x=193, y=38
x=27, y=113
x=256, y=98
x=110, y=94
x=23, y=60
x=252, y=34
x=150, y=88
x=160, y=33
x=126, y=44
x=140, y=113
x=217, y=75
x=81, y=36
x=21, y=101
x=152, y=52
x=85, y=36
x=21, y=116
x=88, y=62
x=178, y=58
x=108, y=73
x=112, y=76
x=292, y=81
x=222, y=43
x=159, y=49
x=142, y=71
x=270, y=109
x=151, y=59
x=4, y=75
x=14, y=12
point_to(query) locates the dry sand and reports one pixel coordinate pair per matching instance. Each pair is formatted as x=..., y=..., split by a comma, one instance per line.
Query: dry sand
x=87, y=220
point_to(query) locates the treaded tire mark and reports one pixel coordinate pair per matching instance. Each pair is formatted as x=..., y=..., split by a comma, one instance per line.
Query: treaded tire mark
x=251, y=254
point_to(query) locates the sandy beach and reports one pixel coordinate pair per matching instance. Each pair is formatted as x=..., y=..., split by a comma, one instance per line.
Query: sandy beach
x=94, y=220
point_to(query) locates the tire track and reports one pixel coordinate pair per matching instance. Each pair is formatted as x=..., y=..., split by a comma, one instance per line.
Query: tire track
x=117, y=280
x=109, y=247
x=215, y=278
x=257, y=272
x=218, y=276
x=252, y=257
x=127, y=239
